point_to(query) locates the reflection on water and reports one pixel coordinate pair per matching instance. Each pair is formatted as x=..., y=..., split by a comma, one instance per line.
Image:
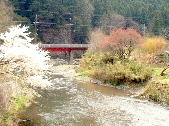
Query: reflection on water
x=68, y=103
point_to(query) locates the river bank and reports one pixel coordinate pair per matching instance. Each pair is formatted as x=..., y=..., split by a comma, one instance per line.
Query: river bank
x=70, y=72
x=15, y=97
x=67, y=74
x=73, y=102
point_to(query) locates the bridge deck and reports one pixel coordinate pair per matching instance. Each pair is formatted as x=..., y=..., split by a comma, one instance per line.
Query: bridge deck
x=64, y=45
x=64, y=48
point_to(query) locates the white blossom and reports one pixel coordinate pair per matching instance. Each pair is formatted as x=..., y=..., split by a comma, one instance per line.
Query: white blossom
x=25, y=59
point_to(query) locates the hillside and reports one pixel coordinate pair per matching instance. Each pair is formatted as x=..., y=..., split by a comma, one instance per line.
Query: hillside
x=78, y=17
x=6, y=14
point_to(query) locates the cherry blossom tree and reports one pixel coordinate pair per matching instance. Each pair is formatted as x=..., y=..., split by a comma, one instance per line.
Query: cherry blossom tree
x=24, y=59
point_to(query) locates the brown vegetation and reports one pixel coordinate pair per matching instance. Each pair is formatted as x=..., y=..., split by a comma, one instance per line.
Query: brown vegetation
x=154, y=45
x=158, y=90
x=96, y=37
x=6, y=14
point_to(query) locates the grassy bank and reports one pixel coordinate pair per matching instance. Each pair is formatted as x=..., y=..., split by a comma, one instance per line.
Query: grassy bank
x=157, y=90
x=126, y=58
x=99, y=66
x=15, y=97
x=129, y=73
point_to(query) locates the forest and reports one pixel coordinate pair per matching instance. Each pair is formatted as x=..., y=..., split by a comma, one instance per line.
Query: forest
x=79, y=17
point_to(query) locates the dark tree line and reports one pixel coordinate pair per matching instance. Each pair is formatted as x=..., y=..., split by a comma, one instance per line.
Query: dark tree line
x=84, y=15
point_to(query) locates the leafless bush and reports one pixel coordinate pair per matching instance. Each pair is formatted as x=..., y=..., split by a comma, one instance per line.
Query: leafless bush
x=96, y=37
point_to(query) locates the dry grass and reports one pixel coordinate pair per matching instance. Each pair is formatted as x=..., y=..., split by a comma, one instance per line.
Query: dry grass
x=158, y=90
x=155, y=45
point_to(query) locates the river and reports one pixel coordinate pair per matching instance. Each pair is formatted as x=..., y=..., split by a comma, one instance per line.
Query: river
x=72, y=103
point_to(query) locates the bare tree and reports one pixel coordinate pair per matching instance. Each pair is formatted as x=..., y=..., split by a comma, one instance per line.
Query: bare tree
x=113, y=21
x=96, y=37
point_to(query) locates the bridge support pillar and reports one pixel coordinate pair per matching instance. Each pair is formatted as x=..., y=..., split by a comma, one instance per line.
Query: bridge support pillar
x=70, y=57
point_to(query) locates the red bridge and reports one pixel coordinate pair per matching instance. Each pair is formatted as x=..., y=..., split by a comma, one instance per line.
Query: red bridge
x=63, y=47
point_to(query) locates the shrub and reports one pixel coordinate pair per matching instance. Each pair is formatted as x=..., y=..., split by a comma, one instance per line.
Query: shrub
x=152, y=50
x=107, y=68
x=96, y=37
x=155, y=45
x=121, y=42
x=94, y=59
x=122, y=72
x=91, y=60
x=157, y=90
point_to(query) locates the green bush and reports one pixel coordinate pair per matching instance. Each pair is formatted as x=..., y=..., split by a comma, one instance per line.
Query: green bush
x=90, y=60
x=122, y=72
x=93, y=59
x=109, y=69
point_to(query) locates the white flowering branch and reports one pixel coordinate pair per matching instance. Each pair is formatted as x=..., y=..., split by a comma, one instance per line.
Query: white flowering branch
x=25, y=59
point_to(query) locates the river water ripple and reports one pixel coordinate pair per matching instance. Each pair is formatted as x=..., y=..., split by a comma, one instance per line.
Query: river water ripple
x=71, y=103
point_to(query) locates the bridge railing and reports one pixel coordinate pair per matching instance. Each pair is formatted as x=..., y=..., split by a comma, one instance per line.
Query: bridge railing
x=64, y=45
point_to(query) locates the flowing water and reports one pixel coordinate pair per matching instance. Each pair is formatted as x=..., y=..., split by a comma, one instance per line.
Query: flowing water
x=72, y=103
